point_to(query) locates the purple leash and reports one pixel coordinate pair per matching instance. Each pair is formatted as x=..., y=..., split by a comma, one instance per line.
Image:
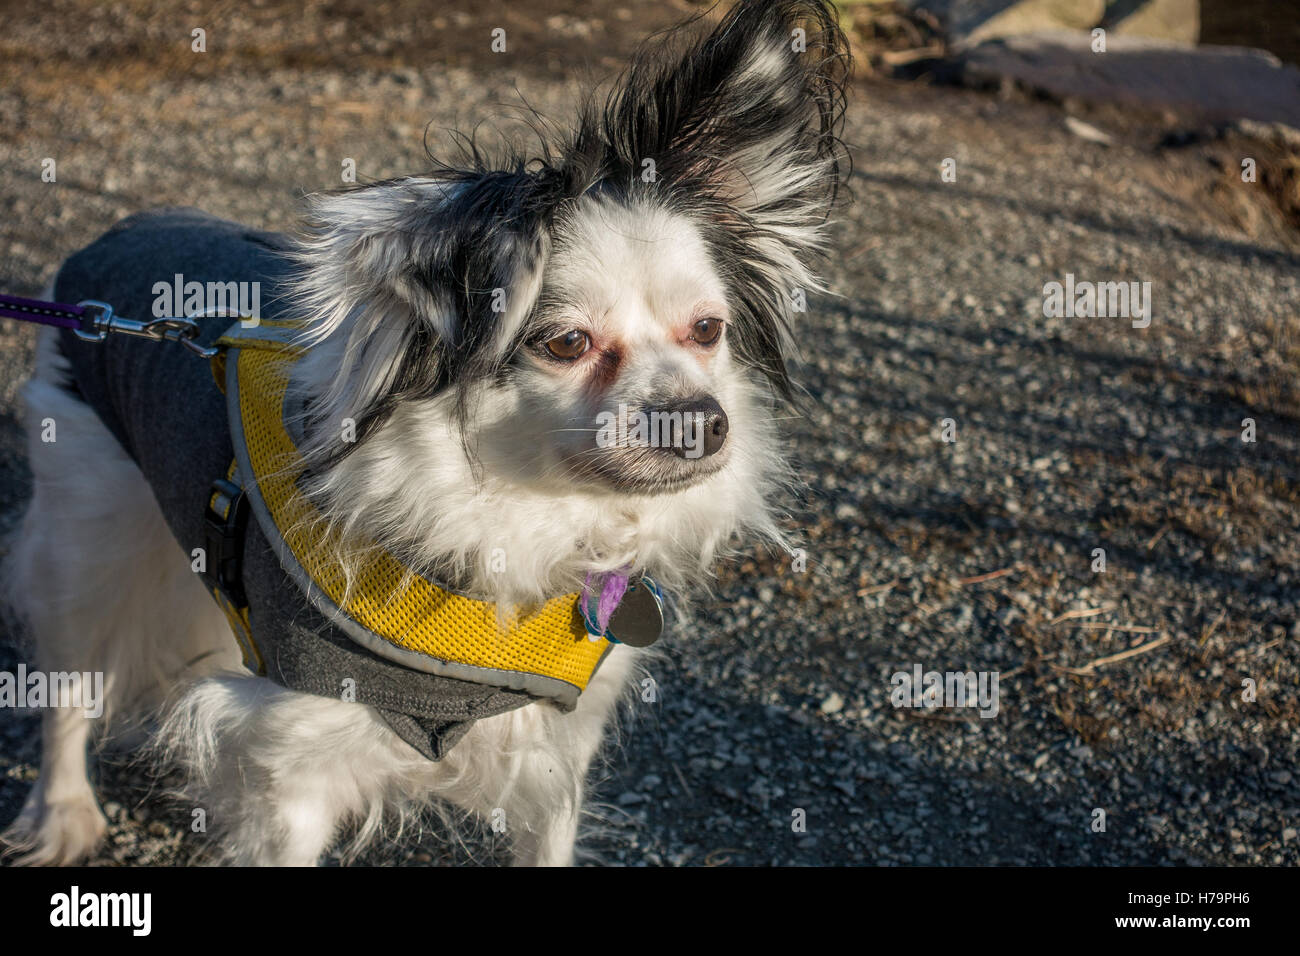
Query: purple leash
x=92, y=321
x=57, y=314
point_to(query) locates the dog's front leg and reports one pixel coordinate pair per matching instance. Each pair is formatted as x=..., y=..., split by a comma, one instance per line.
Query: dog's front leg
x=60, y=822
x=279, y=773
x=550, y=842
x=542, y=785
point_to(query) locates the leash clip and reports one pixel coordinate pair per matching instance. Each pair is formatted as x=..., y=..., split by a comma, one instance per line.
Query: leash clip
x=95, y=323
x=100, y=320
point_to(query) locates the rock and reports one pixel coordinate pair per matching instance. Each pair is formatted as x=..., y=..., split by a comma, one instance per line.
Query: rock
x=1175, y=20
x=832, y=704
x=1211, y=83
x=1086, y=131
x=967, y=22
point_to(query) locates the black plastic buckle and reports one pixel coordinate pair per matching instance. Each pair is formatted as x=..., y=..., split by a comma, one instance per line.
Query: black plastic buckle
x=225, y=540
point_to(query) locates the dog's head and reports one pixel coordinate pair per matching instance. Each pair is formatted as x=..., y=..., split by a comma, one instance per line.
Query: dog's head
x=602, y=329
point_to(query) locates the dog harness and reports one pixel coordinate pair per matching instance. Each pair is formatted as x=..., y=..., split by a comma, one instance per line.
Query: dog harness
x=388, y=609
x=218, y=442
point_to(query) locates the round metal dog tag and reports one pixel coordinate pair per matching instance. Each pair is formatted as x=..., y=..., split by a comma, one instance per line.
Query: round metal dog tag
x=639, y=619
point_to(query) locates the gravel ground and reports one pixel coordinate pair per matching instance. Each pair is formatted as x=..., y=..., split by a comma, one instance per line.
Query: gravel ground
x=1072, y=435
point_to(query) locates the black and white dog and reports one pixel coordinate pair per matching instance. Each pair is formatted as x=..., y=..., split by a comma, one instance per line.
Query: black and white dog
x=473, y=325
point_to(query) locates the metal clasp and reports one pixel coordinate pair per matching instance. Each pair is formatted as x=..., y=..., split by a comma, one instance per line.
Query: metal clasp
x=100, y=321
x=95, y=323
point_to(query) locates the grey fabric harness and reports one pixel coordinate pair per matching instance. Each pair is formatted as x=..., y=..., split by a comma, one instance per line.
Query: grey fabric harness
x=167, y=413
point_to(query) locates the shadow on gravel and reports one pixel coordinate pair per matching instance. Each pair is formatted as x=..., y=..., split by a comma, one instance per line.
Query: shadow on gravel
x=1206, y=245
x=867, y=801
x=1142, y=442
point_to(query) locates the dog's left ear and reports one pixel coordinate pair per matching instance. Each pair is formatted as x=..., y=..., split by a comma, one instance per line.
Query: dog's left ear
x=745, y=124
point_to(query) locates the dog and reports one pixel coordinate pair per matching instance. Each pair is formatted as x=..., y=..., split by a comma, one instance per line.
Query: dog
x=469, y=329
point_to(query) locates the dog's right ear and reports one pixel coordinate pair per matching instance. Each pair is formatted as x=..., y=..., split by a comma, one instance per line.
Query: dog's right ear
x=748, y=114
x=741, y=126
x=414, y=286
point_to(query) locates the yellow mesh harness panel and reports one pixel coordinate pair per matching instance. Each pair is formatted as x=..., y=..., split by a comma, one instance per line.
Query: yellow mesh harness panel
x=404, y=610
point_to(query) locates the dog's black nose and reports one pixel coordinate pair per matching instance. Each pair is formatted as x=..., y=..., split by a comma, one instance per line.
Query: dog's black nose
x=703, y=427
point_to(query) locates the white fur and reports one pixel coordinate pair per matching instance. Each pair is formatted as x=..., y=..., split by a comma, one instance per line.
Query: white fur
x=451, y=488
x=629, y=272
x=283, y=775
x=280, y=774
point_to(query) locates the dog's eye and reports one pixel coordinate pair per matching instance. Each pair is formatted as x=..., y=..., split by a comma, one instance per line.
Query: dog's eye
x=706, y=331
x=570, y=345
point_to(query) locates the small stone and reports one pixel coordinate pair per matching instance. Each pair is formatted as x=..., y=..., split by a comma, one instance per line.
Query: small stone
x=1087, y=131
x=833, y=704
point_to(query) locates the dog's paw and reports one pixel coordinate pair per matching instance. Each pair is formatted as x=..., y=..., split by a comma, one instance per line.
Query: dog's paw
x=54, y=834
